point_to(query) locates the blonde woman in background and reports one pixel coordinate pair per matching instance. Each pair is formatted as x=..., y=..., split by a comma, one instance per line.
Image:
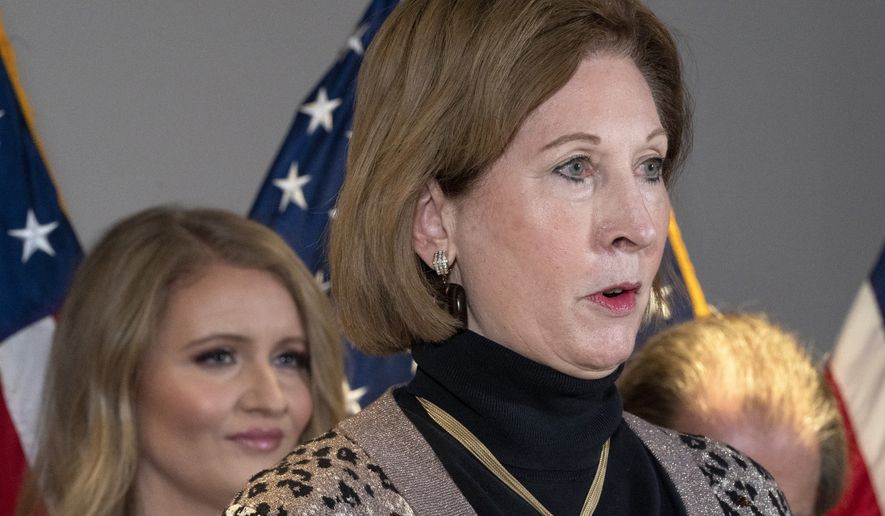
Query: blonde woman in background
x=194, y=349
x=740, y=379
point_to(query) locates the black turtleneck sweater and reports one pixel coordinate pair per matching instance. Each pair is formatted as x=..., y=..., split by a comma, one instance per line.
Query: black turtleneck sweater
x=545, y=427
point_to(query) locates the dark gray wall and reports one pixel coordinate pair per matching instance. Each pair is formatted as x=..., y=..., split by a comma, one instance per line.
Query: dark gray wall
x=782, y=201
x=139, y=103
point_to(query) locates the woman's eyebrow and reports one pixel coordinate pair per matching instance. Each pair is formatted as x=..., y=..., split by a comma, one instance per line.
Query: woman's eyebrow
x=232, y=337
x=572, y=137
x=592, y=138
x=657, y=132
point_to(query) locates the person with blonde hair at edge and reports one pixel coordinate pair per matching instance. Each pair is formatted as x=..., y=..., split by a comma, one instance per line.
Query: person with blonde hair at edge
x=745, y=381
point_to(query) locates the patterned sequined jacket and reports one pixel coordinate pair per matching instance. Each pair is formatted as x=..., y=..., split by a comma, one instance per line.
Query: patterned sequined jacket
x=377, y=463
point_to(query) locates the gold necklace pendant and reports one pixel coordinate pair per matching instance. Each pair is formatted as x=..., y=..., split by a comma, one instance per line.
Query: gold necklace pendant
x=469, y=441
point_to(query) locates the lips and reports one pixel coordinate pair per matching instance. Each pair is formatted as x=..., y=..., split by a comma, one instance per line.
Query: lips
x=259, y=440
x=617, y=299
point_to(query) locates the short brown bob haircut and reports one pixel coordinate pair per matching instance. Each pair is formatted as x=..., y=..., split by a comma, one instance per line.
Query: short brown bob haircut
x=88, y=444
x=740, y=362
x=443, y=89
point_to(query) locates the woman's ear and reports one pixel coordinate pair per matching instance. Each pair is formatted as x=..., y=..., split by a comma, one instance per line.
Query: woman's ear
x=432, y=224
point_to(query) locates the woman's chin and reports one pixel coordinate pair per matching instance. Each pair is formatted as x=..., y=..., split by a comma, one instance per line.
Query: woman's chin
x=593, y=364
x=601, y=361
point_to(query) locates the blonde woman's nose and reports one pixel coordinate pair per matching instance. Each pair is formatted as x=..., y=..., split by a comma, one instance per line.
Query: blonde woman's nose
x=264, y=392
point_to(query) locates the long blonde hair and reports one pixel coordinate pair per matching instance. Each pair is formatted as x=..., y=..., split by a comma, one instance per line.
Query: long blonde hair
x=88, y=451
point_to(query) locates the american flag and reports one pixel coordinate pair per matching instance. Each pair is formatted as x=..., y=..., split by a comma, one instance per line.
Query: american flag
x=856, y=372
x=38, y=254
x=298, y=197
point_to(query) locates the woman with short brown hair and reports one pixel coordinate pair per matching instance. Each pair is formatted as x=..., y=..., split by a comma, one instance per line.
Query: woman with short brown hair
x=504, y=216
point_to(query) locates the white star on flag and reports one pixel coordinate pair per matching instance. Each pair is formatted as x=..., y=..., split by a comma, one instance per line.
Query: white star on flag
x=352, y=397
x=292, y=187
x=34, y=236
x=355, y=41
x=320, y=111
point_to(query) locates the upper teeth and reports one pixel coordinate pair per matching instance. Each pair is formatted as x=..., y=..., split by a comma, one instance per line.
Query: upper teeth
x=616, y=291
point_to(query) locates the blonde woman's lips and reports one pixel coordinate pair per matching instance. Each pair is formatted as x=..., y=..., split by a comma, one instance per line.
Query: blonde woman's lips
x=260, y=440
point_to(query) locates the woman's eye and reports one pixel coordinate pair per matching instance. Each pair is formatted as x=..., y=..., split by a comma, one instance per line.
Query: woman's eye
x=215, y=357
x=652, y=169
x=293, y=360
x=575, y=169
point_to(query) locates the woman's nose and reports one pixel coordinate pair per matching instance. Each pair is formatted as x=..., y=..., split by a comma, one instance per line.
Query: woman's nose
x=264, y=392
x=626, y=220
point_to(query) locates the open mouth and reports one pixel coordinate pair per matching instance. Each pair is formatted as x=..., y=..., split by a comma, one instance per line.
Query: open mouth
x=618, y=300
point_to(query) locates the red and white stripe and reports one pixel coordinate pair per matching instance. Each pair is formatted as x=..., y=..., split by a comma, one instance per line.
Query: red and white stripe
x=857, y=371
x=23, y=360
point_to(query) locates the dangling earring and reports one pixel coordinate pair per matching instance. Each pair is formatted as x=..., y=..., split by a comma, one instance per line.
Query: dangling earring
x=441, y=264
x=455, y=298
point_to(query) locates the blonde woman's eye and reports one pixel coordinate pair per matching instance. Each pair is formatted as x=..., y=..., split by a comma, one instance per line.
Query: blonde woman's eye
x=215, y=358
x=652, y=169
x=293, y=360
x=576, y=169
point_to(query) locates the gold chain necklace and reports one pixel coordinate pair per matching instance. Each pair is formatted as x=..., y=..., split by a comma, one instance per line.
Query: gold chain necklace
x=454, y=428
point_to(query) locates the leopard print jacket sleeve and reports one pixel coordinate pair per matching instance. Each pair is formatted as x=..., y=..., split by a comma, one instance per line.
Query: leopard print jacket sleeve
x=711, y=476
x=329, y=475
x=741, y=486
